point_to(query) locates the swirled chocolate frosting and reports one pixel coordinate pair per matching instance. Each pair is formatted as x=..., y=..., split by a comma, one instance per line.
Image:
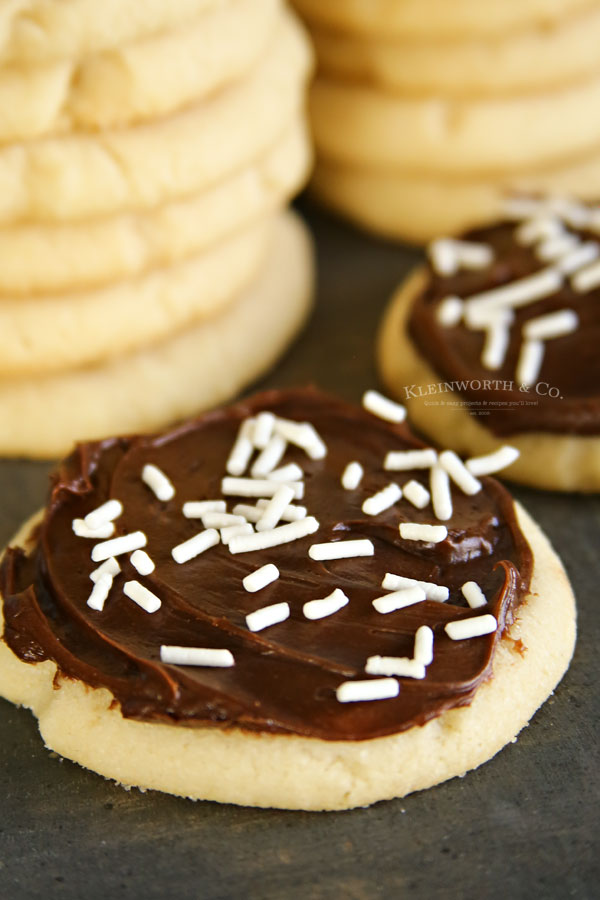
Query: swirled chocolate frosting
x=285, y=677
x=565, y=395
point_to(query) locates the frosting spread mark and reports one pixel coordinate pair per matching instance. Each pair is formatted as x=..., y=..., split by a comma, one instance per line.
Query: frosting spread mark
x=285, y=676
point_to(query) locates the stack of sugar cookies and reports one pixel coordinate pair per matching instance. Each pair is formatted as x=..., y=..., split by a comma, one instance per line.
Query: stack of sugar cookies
x=426, y=113
x=147, y=266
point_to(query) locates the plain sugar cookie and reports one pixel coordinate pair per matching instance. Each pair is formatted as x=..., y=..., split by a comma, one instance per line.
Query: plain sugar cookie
x=524, y=61
x=191, y=371
x=358, y=125
x=473, y=388
x=83, y=175
x=120, y=86
x=55, y=257
x=293, y=688
x=419, y=206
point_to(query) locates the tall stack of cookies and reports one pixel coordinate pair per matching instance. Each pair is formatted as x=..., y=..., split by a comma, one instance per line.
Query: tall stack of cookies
x=427, y=113
x=147, y=266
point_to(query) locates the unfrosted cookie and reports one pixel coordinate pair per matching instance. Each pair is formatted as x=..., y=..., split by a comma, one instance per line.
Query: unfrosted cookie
x=43, y=30
x=120, y=85
x=54, y=257
x=312, y=686
x=438, y=18
x=478, y=372
x=523, y=61
x=193, y=370
x=359, y=125
x=414, y=206
x=88, y=174
x=54, y=333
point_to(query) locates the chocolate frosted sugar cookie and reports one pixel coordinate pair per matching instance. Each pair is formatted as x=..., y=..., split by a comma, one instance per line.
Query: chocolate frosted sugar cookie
x=495, y=341
x=290, y=603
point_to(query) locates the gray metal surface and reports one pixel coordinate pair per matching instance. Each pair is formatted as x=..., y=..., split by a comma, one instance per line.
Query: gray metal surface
x=522, y=826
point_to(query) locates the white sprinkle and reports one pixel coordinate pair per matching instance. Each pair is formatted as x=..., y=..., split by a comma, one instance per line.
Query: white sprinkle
x=555, y=248
x=436, y=592
x=84, y=531
x=270, y=457
x=100, y=592
x=519, y=292
x=257, y=487
x=441, y=497
x=473, y=255
x=142, y=596
x=443, y=257
x=382, y=500
x=273, y=510
x=449, y=312
x=473, y=594
x=319, y=609
x=292, y=512
x=231, y=531
x=141, y=562
x=303, y=435
x=486, y=317
x=291, y=472
x=399, y=599
x=283, y=534
x=263, y=429
x=402, y=460
x=382, y=407
x=492, y=462
x=542, y=227
x=373, y=689
x=423, y=651
x=459, y=473
x=575, y=214
x=109, y=567
x=195, y=545
x=158, y=482
x=196, y=656
x=260, y=578
x=414, y=531
x=462, y=629
x=127, y=543
x=352, y=476
x=415, y=493
x=497, y=338
x=341, y=549
x=395, y=665
x=268, y=615
x=586, y=279
x=578, y=258
x=448, y=255
x=221, y=520
x=552, y=325
x=242, y=450
x=250, y=513
x=110, y=510
x=195, y=509
x=529, y=362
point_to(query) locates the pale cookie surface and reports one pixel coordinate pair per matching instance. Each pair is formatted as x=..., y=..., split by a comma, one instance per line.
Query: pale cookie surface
x=524, y=61
x=120, y=86
x=552, y=461
x=57, y=332
x=42, y=30
x=42, y=259
x=362, y=126
x=192, y=371
x=295, y=772
x=419, y=206
x=433, y=18
x=77, y=176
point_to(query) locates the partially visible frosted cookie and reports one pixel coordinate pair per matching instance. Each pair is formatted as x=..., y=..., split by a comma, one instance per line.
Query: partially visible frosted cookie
x=495, y=342
x=292, y=602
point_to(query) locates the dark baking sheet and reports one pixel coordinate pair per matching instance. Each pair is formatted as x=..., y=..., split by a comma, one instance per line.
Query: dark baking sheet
x=523, y=825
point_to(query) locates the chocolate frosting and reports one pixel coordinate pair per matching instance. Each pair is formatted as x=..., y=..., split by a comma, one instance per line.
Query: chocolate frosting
x=284, y=677
x=567, y=396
